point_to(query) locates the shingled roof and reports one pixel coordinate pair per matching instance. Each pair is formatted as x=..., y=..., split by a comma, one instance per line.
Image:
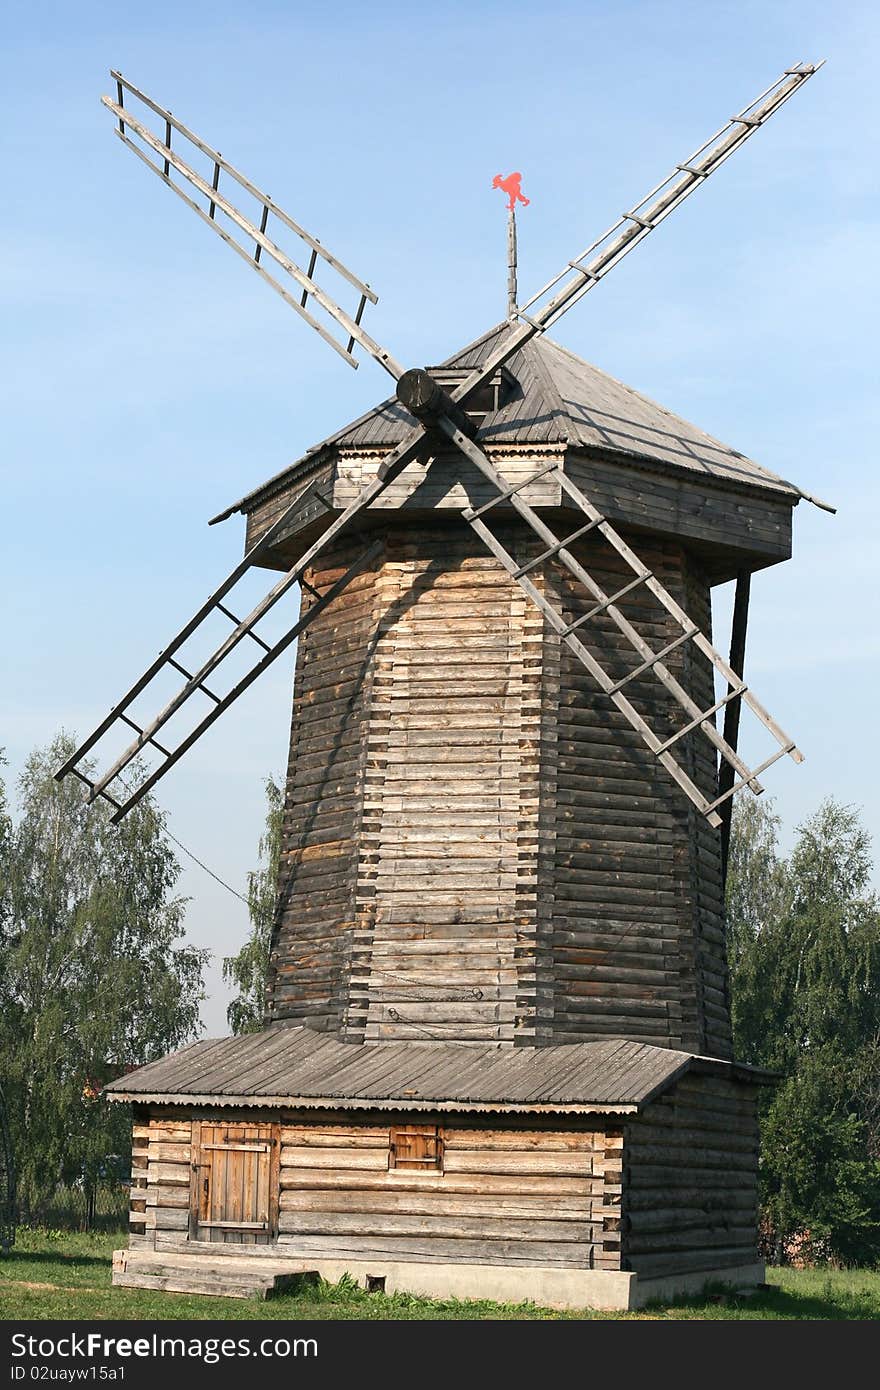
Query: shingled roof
x=299, y=1068
x=557, y=398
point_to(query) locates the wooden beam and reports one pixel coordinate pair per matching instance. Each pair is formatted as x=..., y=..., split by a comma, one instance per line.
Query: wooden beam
x=732, y=710
x=426, y=400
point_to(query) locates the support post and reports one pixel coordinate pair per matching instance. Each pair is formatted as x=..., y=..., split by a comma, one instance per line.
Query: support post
x=732, y=709
x=511, y=263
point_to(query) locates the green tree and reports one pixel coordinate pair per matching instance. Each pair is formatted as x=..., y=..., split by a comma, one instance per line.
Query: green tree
x=821, y=1187
x=249, y=970
x=95, y=981
x=757, y=901
x=804, y=936
x=5, y=838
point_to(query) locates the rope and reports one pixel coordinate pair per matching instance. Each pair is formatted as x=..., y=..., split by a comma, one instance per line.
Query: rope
x=194, y=857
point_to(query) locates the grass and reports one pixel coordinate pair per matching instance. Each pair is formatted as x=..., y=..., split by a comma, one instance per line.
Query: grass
x=51, y=1274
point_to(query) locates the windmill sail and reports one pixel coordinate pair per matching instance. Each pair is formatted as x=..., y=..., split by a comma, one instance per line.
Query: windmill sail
x=112, y=784
x=592, y=265
x=558, y=549
x=209, y=200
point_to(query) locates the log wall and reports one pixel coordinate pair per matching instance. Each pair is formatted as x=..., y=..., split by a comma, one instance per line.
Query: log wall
x=635, y=931
x=696, y=509
x=690, y=1180
x=311, y=950
x=672, y=1190
x=505, y=1197
x=447, y=849
x=161, y=1174
x=514, y=1196
x=476, y=844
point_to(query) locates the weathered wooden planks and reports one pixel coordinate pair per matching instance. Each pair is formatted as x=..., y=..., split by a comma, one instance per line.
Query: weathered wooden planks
x=451, y=766
x=501, y=1195
x=691, y=1179
x=496, y=1200
x=629, y=866
x=671, y=1190
x=733, y=521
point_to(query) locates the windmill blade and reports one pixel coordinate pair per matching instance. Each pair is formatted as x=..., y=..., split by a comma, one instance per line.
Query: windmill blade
x=701, y=720
x=634, y=226
x=213, y=201
x=111, y=785
x=195, y=681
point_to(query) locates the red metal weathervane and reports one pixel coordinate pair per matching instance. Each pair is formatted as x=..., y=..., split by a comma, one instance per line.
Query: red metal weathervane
x=511, y=186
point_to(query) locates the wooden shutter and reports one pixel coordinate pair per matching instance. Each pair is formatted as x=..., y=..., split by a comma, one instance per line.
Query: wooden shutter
x=419, y=1147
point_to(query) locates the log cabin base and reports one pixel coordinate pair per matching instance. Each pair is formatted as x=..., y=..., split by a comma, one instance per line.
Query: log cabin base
x=603, y=1289
x=183, y=1272
x=592, y=1175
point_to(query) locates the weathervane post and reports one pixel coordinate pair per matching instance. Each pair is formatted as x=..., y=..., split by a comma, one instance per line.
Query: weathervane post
x=511, y=263
x=512, y=187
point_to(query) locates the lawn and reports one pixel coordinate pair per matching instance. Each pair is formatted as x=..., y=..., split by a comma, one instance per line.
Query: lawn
x=62, y=1275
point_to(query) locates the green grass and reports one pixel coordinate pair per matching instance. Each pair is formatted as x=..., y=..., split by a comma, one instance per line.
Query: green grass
x=63, y=1275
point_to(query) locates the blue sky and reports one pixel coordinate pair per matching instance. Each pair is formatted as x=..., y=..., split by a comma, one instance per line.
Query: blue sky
x=148, y=379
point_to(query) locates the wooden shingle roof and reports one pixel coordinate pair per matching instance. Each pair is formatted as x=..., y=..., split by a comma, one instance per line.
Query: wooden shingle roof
x=297, y=1067
x=557, y=398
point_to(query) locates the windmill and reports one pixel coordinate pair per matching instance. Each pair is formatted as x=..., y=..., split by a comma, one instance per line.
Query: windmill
x=508, y=799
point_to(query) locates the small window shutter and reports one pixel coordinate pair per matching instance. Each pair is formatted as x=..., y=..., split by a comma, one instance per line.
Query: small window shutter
x=418, y=1147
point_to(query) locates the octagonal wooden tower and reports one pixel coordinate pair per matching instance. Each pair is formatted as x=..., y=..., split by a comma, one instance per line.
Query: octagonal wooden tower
x=477, y=846
x=498, y=983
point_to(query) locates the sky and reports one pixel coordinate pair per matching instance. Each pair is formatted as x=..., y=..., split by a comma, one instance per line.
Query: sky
x=148, y=380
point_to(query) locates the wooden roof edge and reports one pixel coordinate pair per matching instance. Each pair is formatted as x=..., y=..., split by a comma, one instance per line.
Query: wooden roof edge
x=782, y=483
x=774, y=485
x=774, y=490
x=325, y=453
x=314, y=457
x=401, y=1104
x=711, y=1066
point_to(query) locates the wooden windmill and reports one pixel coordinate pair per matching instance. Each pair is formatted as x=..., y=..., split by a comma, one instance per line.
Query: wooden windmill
x=505, y=822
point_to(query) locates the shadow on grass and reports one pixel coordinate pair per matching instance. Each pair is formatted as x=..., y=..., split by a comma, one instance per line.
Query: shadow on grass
x=777, y=1303
x=16, y=1258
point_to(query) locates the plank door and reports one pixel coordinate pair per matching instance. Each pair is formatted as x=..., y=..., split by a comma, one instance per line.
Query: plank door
x=234, y=1194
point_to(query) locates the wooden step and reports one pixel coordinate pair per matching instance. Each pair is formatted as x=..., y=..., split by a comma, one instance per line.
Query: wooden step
x=222, y=1276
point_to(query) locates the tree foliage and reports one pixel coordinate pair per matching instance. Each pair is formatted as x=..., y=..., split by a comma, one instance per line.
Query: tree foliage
x=248, y=971
x=94, y=980
x=804, y=933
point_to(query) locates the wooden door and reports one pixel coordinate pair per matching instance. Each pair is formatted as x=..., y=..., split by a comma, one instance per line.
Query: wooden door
x=234, y=1193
